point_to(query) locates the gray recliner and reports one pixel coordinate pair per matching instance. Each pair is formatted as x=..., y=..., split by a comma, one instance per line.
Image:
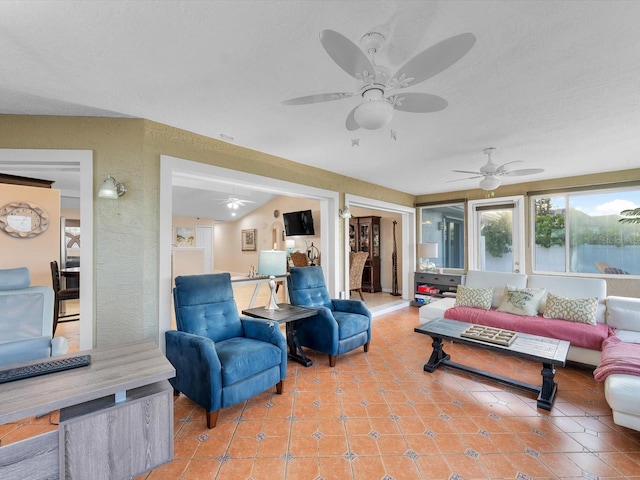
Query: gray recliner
x=26, y=319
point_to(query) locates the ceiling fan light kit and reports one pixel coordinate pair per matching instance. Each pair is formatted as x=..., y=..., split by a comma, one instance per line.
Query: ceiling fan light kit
x=489, y=183
x=376, y=110
x=491, y=173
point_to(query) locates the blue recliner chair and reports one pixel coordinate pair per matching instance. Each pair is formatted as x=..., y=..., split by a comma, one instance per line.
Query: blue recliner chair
x=26, y=319
x=220, y=358
x=339, y=326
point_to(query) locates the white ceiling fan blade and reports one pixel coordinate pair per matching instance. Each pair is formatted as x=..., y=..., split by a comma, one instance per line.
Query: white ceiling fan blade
x=524, y=171
x=346, y=53
x=466, y=178
x=501, y=167
x=467, y=171
x=318, y=98
x=435, y=59
x=351, y=123
x=418, y=102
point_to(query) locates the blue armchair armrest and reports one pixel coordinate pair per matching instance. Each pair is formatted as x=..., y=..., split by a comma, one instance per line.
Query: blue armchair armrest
x=351, y=306
x=198, y=369
x=267, y=332
x=320, y=332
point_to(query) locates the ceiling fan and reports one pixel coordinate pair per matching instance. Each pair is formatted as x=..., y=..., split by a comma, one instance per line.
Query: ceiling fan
x=491, y=173
x=235, y=203
x=377, y=110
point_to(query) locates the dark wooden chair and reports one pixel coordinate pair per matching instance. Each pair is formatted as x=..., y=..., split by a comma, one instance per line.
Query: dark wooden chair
x=62, y=294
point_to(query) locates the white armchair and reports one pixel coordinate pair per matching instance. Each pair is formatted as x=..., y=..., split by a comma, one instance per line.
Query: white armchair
x=26, y=319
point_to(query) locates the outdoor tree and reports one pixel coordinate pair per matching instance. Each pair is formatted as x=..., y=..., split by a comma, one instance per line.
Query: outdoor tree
x=630, y=216
x=550, y=229
x=497, y=235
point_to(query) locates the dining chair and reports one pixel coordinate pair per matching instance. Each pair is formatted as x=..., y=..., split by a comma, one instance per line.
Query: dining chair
x=61, y=295
x=356, y=267
x=299, y=259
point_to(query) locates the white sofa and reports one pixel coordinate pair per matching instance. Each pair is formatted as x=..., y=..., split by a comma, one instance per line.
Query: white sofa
x=621, y=313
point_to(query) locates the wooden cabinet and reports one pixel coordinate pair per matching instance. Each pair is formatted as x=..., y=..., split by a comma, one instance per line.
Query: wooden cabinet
x=364, y=236
x=437, y=284
x=116, y=417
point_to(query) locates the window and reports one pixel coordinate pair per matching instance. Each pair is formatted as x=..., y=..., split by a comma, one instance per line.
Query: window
x=444, y=225
x=581, y=232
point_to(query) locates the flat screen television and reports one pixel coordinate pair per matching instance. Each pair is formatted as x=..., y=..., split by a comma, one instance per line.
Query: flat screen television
x=298, y=223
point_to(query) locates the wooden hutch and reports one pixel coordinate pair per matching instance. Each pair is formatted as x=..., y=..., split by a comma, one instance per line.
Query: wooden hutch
x=364, y=236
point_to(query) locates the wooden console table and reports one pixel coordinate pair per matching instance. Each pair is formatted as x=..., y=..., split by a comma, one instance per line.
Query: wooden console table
x=116, y=417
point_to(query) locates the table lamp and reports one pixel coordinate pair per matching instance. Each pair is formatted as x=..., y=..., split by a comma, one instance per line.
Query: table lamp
x=427, y=251
x=290, y=243
x=272, y=263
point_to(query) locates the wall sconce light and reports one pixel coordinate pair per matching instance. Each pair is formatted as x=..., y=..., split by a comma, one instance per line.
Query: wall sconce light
x=345, y=213
x=111, y=189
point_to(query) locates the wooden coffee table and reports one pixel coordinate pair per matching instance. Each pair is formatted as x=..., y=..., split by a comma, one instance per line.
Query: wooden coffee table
x=290, y=315
x=549, y=351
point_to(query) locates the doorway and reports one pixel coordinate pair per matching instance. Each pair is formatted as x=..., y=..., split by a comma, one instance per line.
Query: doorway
x=496, y=231
x=172, y=168
x=72, y=170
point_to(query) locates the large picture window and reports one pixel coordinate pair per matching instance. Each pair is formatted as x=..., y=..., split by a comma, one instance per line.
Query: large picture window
x=587, y=232
x=444, y=225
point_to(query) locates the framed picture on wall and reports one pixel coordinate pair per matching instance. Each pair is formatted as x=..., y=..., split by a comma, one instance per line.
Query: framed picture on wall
x=185, y=237
x=249, y=240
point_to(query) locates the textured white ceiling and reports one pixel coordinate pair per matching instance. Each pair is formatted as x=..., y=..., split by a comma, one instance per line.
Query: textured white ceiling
x=552, y=83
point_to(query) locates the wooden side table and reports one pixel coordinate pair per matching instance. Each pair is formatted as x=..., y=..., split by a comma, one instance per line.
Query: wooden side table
x=290, y=315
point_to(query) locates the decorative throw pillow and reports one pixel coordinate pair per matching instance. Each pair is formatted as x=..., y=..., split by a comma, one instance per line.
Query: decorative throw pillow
x=581, y=310
x=521, y=301
x=474, y=297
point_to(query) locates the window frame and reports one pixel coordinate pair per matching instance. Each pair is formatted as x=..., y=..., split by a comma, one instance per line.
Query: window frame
x=465, y=243
x=567, y=193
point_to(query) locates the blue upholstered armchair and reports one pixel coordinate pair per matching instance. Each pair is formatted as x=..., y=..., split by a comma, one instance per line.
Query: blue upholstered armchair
x=339, y=326
x=26, y=319
x=220, y=358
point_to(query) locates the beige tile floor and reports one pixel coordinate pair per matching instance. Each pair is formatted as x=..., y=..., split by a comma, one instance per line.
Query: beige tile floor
x=380, y=416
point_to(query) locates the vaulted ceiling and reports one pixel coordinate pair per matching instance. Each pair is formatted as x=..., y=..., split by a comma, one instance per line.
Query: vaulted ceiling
x=553, y=84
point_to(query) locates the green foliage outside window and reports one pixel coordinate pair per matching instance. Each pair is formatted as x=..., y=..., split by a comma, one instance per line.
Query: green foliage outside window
x=550, y=228
x=497, y=235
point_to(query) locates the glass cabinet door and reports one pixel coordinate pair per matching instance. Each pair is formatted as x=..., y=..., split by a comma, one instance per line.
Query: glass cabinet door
x=376, y=240
x=364, y=238
x=352, y=237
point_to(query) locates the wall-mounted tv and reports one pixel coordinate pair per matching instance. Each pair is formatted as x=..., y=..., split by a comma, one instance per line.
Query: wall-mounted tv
x=298, y=223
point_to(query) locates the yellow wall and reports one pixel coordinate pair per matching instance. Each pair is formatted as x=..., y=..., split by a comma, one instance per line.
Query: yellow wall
x=126, y=245
x=126, y=248
x=34, y=253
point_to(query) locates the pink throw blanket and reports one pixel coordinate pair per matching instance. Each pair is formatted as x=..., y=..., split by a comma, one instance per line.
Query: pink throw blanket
x=618, y=357
x=578, y=334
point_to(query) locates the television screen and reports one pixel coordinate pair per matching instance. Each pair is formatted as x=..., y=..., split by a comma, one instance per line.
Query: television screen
x=298, y=223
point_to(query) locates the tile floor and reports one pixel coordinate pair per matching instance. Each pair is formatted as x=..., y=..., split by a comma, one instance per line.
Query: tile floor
x=379, y=416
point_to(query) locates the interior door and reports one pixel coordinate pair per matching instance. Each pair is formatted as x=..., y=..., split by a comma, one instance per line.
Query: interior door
x=204, y=240
x=496, y=234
